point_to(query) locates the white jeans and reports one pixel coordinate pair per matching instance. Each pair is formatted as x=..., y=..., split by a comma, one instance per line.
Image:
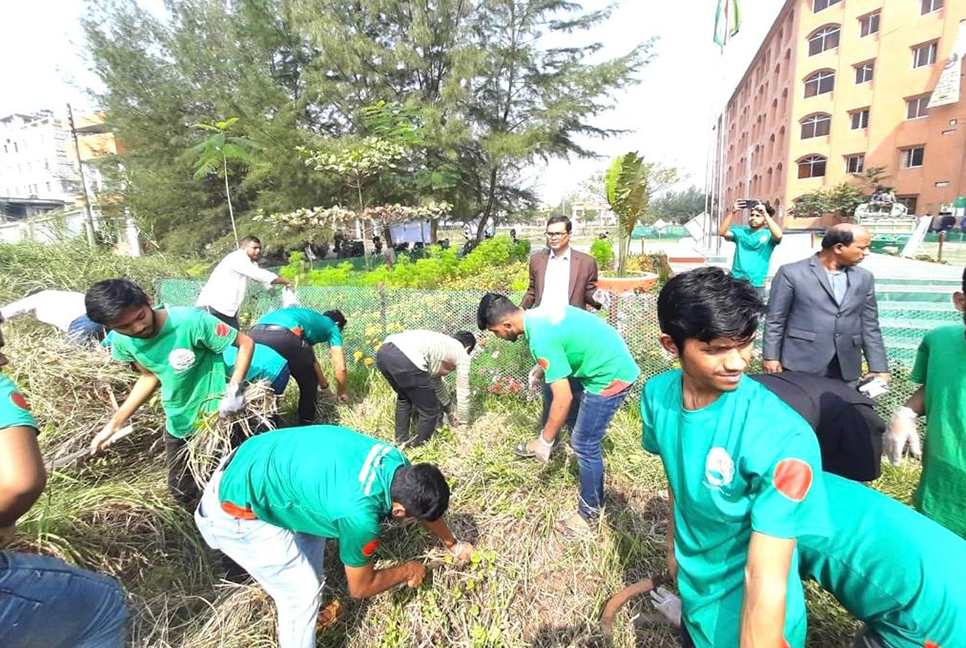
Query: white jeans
x=287, y=564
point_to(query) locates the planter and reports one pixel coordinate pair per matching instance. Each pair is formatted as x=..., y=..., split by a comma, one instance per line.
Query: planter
x=639, y=282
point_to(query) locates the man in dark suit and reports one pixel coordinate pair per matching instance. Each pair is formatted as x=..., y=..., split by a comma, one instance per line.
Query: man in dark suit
x=822, y=312
x=560, y=275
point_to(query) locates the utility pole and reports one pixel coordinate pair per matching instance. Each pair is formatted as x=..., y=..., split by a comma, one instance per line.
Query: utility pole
x=88, y=216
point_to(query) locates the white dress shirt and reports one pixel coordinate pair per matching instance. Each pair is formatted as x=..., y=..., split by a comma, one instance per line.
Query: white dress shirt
x=55, y=307
x=228, y=283
x=556, y=280
x=429, y=351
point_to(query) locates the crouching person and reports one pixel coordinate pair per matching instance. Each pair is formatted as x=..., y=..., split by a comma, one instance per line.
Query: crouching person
x=44, y=601
x=271, y=505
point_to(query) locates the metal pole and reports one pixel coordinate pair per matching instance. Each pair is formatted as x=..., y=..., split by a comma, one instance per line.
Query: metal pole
x=88, y=216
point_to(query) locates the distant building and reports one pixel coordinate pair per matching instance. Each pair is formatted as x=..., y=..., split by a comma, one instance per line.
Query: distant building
x=840, y=86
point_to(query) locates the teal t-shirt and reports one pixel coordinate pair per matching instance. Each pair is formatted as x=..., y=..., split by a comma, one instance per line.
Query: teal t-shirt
x=186, y=356
x=753, y=250
x=746, y=462
x=896, y=570
x=325, y=480
x=14, y=410
x=570, y=341
x=939, y=366
x=310, y=325
x=266, y=363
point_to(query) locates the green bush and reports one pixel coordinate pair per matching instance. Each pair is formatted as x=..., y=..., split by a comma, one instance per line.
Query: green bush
x=603, y=252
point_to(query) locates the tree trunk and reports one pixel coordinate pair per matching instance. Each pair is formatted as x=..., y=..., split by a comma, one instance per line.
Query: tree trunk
x=231, y=212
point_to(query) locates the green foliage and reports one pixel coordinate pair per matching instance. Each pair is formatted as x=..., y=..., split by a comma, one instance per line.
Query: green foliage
x=842, y=199
x=603, y=251
x=677, y=206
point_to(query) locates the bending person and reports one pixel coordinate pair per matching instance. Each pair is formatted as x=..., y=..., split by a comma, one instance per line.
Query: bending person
x=292, y=332
x=61, y=308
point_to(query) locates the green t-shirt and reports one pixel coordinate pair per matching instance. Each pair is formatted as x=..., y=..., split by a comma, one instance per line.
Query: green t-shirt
x=320, y=479
x=186, y=357
x=939, y=366
x=896, y=570
x=310, y=325
x=573, y=342
x=266, y=363
x=747, y=462
x=14, y=410
x=753, y=250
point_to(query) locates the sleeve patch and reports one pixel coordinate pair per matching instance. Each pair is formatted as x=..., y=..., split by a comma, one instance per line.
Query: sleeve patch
x=370, y=547
x=931, y=644
x=222, y=330
x=19, y=401
x=544, y=363
x=793, y=479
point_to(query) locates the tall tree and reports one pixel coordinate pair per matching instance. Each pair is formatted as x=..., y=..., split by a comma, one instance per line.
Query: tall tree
x=677, y=206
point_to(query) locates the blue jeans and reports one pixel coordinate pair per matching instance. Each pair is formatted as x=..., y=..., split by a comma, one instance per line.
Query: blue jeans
x=594, y=415
x=576, y=388
x=45, y=603
x=84, y=329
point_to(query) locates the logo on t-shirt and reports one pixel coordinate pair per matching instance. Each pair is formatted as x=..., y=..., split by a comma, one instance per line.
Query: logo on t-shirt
x=18, y=400
x=764, y=238
x=222, y=330
x=719, y=468
x=544, y=363
x=181, y=359
x=370, y=547
x=793, y=479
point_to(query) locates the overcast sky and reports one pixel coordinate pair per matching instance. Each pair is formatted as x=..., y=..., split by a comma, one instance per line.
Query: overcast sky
x=670, y=112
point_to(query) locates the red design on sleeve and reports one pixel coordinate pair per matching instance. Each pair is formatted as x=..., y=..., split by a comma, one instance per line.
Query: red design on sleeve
x=222, y=330
x=544, y=363
x=370, y=547
x=17, y=399
x=931, y=644
x=793, y=478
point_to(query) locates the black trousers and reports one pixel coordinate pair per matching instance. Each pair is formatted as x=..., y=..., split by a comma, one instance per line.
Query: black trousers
x=301, y=363
x=414, y=389
x=230, y=320
x=181, y=484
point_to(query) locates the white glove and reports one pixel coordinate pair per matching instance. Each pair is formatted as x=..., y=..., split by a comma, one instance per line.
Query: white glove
x=232, y=402
x=289, y=297
x=667, y=604
x=902, y=430
x=534, y=378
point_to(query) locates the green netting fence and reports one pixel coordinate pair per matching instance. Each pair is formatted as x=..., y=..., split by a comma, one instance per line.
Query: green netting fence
x=502, y=367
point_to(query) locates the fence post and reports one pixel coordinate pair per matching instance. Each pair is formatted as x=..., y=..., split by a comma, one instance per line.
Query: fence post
x=382, y=309
x=942, y=239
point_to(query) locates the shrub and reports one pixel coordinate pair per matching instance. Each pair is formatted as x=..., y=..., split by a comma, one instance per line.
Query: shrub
x=603, y=252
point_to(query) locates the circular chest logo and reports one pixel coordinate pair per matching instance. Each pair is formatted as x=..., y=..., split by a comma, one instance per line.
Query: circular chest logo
x=719, y=468
x=19, y=401
x=181, y=359
x=763, y=239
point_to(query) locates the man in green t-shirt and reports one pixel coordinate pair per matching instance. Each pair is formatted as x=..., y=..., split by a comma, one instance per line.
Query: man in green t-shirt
x=570, y=342
x=292, y=332
x=939, y=368
x=744, y=470
x=896, y=570
x=753, y=244
x=178, y=349
x=273, y=502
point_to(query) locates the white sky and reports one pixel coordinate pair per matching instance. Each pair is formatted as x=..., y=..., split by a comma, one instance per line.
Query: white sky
x=670, y=112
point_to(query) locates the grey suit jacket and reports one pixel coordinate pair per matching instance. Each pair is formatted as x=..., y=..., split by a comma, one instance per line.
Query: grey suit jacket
x=806, y=328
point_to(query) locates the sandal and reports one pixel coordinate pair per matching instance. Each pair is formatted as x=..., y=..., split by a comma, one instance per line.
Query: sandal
x=573, y=531
x=328, y=615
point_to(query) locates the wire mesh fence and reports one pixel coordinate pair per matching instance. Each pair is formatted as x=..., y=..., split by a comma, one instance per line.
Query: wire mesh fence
x=499, y=366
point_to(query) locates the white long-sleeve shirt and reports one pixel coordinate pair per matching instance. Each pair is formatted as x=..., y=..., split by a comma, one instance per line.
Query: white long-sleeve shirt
x=438, y=354
x=228, y=283
x=55, y=307
x=556, y=280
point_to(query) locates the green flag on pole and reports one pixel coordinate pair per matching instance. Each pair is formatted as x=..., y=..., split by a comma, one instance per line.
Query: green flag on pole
x=726, y=21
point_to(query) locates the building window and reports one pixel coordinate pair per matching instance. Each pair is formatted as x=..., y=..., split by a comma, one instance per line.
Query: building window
x=909, y=201
x=869, y=25
x=912, y=157
x=917, y=107
x=812, y=167
x=820, y=83
x=816, y=125
x=860, y=119
x=864, y=72
x=929, y=6
x=924, y=55
x=855, y=163
x=821, y=5
x=824, y=39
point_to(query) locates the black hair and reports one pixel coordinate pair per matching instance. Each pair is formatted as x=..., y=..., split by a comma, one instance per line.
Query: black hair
x=106, y=300
x=560, y=218
x=249, y=239
x=337, y=317
x=467, y=339
x=422, y=490
x=708, y=303
x=493, y=308
x=835, y=235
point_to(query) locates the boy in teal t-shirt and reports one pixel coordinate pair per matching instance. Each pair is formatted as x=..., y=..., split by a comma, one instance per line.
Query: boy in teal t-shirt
x=896, y=570
x=940, y=368
x=178, y=349
x=744, y=470
x=271, y=505
x=753, y=244
x=568, y=342
x=266, y=365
